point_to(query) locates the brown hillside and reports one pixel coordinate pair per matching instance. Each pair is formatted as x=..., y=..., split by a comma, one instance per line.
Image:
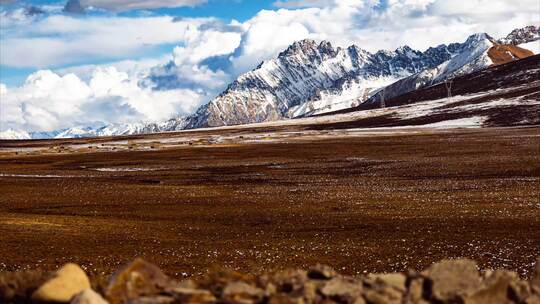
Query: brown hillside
x=504, y=53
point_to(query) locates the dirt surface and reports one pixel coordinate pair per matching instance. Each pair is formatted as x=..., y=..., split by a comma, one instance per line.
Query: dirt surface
x=370, y=201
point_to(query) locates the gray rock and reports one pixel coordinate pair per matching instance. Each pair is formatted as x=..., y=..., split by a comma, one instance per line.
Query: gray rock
x=452, y=280
x=494, y=289
x=136, y=280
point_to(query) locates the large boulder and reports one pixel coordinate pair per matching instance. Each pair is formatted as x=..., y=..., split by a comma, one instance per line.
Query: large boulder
x=136, y=280
x=63, y=285
x=452, y=280
x=495, y=289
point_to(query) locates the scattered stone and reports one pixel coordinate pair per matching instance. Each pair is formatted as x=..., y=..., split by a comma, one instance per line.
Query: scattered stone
x=452, y=280
x=88, y=296
x=449, y=281
x=136, y=280
x=63, y=285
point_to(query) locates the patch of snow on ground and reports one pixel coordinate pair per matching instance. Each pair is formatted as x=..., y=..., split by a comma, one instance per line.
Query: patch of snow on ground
x=469, y=122
x=129, y=169
x=37, y=175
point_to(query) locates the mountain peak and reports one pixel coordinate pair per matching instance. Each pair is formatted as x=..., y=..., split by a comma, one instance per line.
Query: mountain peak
x=478, y=37
x=300, y=46
x=522, y=35
x=309, y=47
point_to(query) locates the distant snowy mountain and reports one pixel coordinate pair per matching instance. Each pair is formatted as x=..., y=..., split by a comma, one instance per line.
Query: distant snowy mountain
x=527, y=38
x=14, y=134
x=480, y=51
x=310, y=78
x=522, y=35
x=174, y=124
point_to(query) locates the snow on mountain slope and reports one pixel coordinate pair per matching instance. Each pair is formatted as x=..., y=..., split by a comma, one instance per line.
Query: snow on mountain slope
x=479, y=52
x=310, y=78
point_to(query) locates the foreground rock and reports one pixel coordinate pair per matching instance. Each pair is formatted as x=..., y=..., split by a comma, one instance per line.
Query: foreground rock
x=449, y=281
x=63, y=285
x=137, y=279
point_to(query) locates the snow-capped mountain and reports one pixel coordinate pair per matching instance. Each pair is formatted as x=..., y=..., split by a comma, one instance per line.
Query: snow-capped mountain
x=310, y=78
x=527, y=38
x=14, y=134
x=480, y=51
x=522, y=35
x=175, y=124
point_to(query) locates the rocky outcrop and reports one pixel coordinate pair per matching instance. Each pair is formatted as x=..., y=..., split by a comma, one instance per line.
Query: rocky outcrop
x=522, y=35
x=449, y=281
x=479, y=52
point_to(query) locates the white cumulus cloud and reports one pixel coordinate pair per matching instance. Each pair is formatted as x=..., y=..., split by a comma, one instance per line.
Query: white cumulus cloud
x=48, y=101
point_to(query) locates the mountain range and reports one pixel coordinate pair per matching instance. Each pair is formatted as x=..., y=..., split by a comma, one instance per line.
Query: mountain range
x=311, y=78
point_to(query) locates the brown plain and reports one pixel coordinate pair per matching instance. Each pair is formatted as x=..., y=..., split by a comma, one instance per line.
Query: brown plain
x=375, y=203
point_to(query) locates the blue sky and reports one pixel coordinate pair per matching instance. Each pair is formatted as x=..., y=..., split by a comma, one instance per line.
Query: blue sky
x=149, y=60
x=226, y=10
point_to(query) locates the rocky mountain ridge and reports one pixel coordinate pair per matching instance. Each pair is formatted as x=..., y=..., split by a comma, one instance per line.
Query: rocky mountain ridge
x=522, y=35
x=479, y=52
x=310, y=78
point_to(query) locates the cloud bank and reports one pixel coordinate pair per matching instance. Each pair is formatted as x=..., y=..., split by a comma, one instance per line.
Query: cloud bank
x=49, y=101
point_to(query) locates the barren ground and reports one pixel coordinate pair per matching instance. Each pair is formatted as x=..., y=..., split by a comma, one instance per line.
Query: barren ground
x=360, y=202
